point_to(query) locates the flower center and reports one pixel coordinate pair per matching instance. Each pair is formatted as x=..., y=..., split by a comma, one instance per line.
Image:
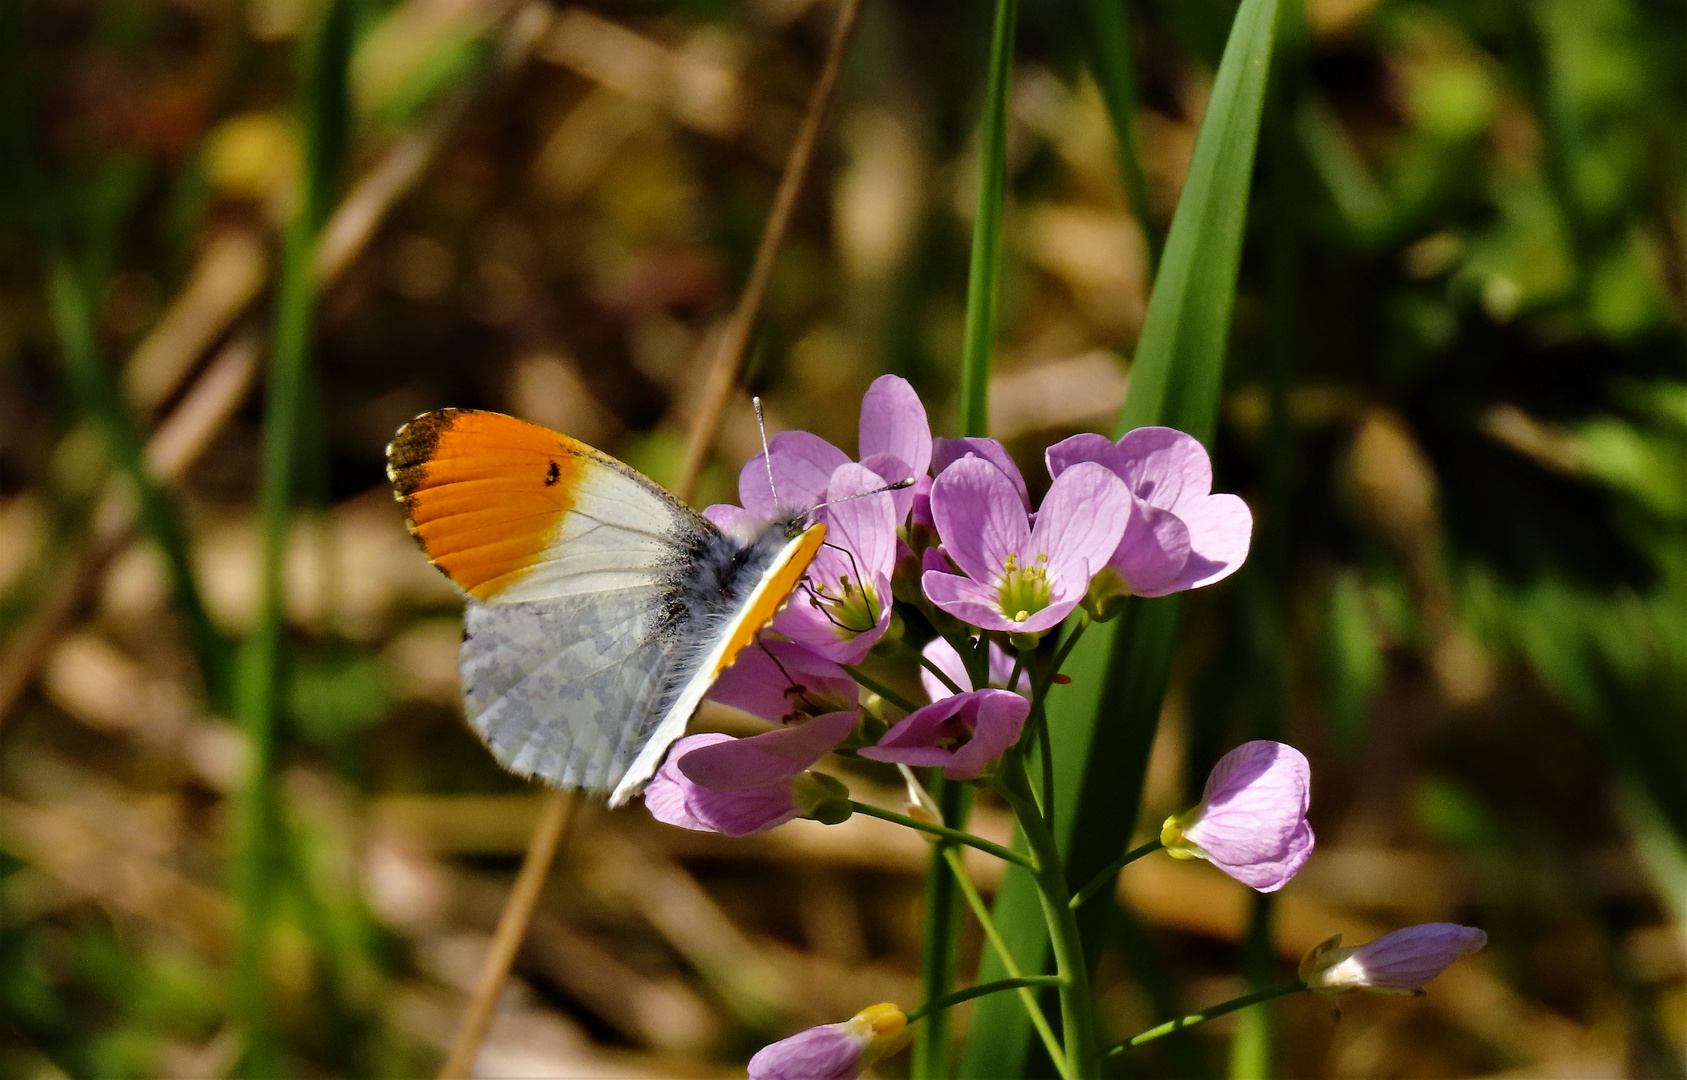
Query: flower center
x=1024, y=590
x=852, y=607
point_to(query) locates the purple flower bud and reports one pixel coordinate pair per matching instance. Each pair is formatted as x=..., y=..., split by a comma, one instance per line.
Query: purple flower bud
x=963, y=733
x=834, y=1051
x=1398, y=963
x=1251, y=822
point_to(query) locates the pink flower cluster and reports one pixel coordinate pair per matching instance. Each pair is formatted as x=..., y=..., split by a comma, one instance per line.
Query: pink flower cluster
x=965, y=540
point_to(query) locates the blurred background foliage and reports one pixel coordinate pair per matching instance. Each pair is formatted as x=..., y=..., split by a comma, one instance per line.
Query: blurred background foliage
x=1456, y=399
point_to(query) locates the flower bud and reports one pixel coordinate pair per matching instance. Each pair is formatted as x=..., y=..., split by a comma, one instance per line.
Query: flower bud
x=1397, y=963
x=821, y=798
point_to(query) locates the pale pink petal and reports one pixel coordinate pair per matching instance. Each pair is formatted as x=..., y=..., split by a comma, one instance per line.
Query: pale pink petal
x=863, y=525
x=945, y=452
x=777, y=680
x=1271, y=874
x=768, y=758
x=1154, y=551
x=944, y=657
x=1220, y=531
x=998, y=720
x=803, y=464
x=1165, y=467
x=891, y=469
x=965, y=599
x=1255, y=802
x=743, y=813
x=893, y=421
x=992, y=719
x=830, y=1052
x=980, y=518
x=735, y=521
x=664, y=796
x=1088, y=447
x=1408, y=958
x=1080, y=524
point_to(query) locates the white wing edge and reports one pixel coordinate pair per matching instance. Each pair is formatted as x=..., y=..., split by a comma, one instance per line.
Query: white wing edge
x=672, y=725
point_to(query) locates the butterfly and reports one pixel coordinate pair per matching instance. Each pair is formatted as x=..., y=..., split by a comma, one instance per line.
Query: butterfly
x=599, y=610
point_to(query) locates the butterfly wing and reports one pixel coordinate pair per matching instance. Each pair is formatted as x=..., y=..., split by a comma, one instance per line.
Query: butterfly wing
x=572, y=562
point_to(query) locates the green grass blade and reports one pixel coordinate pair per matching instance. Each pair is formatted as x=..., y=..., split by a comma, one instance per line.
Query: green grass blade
x=931, y=1053
x=984, y=276
x=260, y=856
x=1104, y=722
x=1107, y=41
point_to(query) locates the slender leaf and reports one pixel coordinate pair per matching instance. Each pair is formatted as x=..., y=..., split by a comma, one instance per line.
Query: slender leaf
x=1104, y=722
x=931, y=1056
x=1107, y=41
x=260, y=857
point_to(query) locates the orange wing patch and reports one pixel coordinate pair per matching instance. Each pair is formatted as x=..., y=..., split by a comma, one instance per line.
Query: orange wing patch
x=771, y=594
x=484, y=493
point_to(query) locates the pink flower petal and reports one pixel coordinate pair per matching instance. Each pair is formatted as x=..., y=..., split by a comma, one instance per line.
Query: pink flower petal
x=992, y=719
x=829, y=1052
x=1087, y=447
x=777, y=680
x=1165, y=467
x=944, y=657
x=965, y=599
x=803, y=464
x=769, y=758
x=1254, y=806
x=1154, y=551
x=742, y=813
x=1079, y=525
x=979, y=517
x=735, y=521
x=945, y=452
x=891, y=469
x=1220, y=531
x=863, y=525
x=893, y=421
x=1408, y=958
x=664, y=796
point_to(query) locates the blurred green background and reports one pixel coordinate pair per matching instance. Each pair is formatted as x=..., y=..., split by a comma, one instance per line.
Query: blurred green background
x=1456, y=401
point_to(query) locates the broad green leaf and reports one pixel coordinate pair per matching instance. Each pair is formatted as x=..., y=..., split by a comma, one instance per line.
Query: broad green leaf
x=1104, y=722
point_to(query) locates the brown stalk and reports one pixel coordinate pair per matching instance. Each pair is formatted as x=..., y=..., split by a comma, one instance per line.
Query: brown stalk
x=723, y=375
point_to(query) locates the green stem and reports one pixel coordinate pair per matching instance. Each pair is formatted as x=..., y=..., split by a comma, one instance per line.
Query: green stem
x=981, y=990
x=880, y=689
x=1077, y=1012
x=1204, y=1015
x=954, y=835
x=1111, y=870
x=994, y=936
x=940, y=953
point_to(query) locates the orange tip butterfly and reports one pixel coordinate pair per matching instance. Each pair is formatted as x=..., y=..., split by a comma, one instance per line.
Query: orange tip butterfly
x=600, y=608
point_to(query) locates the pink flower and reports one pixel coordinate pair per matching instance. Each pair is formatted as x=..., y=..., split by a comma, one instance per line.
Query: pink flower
x=716, y=783
x=944, y=657
x=895, y=444
x=1180, y=536
x=834, y=1051
x=964, y=733
x=842, y=606
x=1251, y=822
x=784, y=682
x=1398, y=963
x=1020, y=578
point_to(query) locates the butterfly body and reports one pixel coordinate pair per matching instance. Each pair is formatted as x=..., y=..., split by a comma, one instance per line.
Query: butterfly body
x=599, y=608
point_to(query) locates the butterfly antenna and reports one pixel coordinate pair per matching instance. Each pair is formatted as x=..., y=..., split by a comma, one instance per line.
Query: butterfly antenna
x=766, y=454
x=897, y=486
